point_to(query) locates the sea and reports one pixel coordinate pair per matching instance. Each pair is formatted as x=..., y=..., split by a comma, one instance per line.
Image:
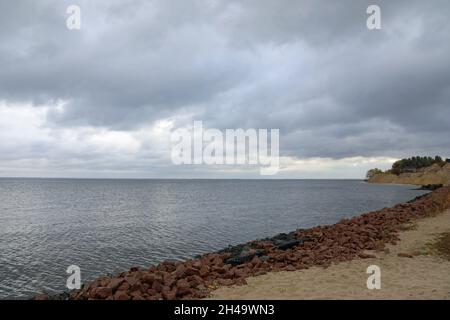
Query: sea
x=107, y=226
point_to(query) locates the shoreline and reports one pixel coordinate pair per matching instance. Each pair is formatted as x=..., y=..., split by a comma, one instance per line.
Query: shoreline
x=302, y=249
x=433, y=174
x=411, y=269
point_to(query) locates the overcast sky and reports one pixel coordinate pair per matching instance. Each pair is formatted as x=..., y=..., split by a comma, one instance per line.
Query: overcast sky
x=102, y=101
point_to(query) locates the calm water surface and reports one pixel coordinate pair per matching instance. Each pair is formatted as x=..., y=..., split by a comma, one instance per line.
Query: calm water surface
x=107, y=226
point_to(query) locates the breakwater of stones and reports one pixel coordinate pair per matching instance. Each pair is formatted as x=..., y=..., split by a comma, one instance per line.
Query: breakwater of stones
x=319, y=246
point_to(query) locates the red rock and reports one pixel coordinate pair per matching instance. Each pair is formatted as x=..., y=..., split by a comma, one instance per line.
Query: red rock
x=180, y=271
x=131, y=280
x=165, y=289
x=137, y=295
x=42, y=297
x=405, y=255
x=151, y=292
x=169, y=295
x=157, y=296
x=225, y=282
x=218, y=262
x=137, y=287
x=256, y=261
x=195, y=281
x=191, y=271
x=104, y=281
x=183, y=283
x=204, y=271
x=170, y=264
x=183, y=288
x=101, y=292
x=121, y=295
x=115, y=283
x=161, y=267
x=157, y=286
x=159, y=276
x=240, y=273
x=220, y=270
x=148, y=278
x=169, y=280
x=230, y=274
x=93, y=284
x=290, y=268
x=123, y=287
x=183, y=292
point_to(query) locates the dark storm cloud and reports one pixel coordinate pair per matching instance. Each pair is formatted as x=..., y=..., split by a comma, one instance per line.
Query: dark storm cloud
x=311, y=68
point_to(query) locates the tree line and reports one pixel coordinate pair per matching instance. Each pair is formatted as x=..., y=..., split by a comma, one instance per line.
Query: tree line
x=410, y=165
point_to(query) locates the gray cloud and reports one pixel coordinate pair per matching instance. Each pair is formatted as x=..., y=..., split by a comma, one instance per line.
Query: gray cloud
x=312, y=69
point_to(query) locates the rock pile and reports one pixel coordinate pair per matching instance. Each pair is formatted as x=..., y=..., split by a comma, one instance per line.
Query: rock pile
x=430, y=187
x=319, y=246
x=246, y=252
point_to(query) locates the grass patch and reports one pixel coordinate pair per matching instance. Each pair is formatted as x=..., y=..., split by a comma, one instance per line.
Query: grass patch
x=442, y=245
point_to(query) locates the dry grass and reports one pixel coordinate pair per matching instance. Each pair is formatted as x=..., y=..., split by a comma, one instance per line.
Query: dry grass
x=412, y=225
x=442, y=246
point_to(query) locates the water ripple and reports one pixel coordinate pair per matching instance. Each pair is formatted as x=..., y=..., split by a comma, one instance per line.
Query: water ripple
x=107, y=226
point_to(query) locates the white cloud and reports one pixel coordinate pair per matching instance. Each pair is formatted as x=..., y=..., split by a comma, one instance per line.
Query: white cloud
x=29, y=146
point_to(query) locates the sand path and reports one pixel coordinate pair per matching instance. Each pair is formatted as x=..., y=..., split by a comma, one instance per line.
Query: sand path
x=425, y=276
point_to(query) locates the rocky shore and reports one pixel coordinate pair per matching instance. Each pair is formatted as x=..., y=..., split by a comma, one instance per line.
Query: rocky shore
x=417, y=267
x=301, y=249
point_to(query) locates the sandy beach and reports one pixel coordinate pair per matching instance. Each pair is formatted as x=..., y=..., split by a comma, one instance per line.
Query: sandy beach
x=418, y=273
x=409, y=242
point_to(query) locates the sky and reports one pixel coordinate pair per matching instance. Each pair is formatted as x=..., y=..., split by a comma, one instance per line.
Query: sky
x=103, y=101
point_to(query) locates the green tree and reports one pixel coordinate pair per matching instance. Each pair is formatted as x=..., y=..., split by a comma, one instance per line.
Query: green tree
x=373, y=172
x=414, y=163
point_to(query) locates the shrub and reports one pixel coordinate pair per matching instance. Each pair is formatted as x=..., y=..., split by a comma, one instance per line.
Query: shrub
x=373, y=172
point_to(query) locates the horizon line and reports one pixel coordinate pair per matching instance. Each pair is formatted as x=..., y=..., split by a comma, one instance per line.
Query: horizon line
x=94, y=178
